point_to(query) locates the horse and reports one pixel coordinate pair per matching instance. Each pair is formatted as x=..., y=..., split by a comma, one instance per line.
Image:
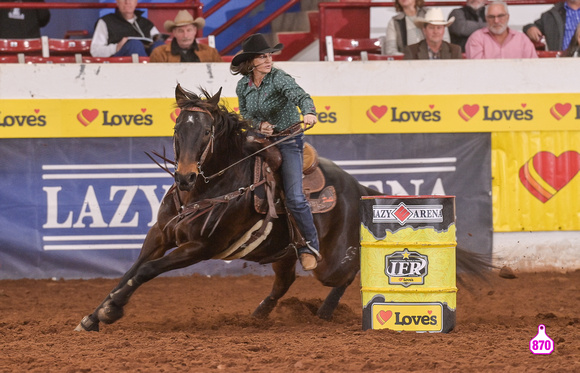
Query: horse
x=209, y=213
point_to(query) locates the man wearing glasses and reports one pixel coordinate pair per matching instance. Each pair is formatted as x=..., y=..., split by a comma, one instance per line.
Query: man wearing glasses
x=497, y=40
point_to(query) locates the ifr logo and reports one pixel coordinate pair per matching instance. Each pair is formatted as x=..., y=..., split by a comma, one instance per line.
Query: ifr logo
x=406, y=268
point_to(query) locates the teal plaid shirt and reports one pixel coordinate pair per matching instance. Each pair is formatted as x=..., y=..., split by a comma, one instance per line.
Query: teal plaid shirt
x=275, y=101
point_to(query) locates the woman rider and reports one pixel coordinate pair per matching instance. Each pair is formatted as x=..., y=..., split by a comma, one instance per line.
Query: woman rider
x=268, y=98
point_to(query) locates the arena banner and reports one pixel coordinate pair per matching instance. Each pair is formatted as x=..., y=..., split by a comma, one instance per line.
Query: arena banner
x=536, y=186
x=51, y=118
x=81, y=207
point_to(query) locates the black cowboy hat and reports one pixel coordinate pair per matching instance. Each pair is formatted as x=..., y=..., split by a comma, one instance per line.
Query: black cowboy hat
x=254, y=45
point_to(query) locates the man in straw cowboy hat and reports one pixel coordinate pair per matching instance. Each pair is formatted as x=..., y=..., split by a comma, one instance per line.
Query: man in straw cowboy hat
x=433, y=47
x=184, y=47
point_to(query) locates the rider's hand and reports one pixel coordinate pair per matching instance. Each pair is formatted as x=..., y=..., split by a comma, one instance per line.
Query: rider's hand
x=310, y=119
x=266, y=128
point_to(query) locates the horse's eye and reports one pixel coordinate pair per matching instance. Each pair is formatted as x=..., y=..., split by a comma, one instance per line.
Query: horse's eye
x=207, y=132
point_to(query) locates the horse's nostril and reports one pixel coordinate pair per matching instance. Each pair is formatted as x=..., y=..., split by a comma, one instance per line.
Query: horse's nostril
x=192, y=178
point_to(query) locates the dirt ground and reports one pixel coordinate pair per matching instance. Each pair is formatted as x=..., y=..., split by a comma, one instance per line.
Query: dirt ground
x=201, y=324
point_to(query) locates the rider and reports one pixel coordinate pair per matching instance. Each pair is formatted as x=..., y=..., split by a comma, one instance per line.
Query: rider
x=268, y=98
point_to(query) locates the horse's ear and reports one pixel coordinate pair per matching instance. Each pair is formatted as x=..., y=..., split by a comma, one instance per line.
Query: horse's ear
x=216, y=98
x=181, y=95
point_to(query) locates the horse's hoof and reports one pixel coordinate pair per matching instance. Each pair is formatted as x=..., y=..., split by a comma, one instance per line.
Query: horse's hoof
x=110, y=312
x=87, y=325
x=324, y=314
x=264, y=309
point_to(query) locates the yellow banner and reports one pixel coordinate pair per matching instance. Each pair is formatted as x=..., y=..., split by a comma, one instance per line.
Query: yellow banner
x=535, y=181
x=35, y=118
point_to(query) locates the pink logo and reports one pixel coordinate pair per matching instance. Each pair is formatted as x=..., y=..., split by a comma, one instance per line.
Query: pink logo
x=558, y=111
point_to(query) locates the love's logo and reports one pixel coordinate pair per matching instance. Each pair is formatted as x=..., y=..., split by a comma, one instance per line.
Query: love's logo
x=377, y=112
x=466, y=112
x=558, y=111
x=384, y=316
x=174, y=114
x=545, y=174
x=87, y=116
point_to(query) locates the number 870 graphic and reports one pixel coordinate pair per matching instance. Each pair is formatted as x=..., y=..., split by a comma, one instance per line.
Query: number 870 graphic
x=541, y=344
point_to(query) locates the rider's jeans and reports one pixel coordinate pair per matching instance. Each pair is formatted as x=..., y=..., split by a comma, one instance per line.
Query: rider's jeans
x=292, y=157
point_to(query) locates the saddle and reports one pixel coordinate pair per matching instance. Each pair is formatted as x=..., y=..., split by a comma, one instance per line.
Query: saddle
x=322, y=198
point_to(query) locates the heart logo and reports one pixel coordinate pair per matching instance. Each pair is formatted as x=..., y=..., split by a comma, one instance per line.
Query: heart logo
x=174, y=114
x=376, y=112
x=237, y=109
x=429, y=312
x=524, y=105
x=36, y=111
x=558, y=111
x=86, y=116
x=143, y=110
x=327, y=108
x=431, y=106
x=384, y=316
x=466, y=112
x=544, y=174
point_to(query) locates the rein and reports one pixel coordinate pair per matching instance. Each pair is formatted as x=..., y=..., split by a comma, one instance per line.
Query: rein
x=292, y=131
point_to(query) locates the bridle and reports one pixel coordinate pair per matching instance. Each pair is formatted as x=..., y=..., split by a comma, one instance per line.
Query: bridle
x=210, y=143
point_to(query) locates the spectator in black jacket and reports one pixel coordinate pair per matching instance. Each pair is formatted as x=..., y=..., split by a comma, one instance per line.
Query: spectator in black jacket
x=18, y=23
x=468, y=19
x=124, y=33
x=557, y=25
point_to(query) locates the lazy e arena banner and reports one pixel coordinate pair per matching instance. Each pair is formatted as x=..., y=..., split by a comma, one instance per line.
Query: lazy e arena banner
x=52, y=118
x=81, y=207
x=536, y=186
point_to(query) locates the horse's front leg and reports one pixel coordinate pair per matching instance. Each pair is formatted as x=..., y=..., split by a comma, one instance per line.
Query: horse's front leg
x=183, y=256
x=153, y=248
x=285, y=271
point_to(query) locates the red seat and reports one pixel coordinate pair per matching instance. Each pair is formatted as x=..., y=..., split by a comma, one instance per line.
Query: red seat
x=9, y=59
x=381, y=57
x=353, y=47
x=53, y=59
x=549, y=54
x=69, y=46
x=15, y=46
x=113, y=59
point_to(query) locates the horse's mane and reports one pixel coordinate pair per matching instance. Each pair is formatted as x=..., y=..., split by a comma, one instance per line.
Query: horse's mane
x=230, y=127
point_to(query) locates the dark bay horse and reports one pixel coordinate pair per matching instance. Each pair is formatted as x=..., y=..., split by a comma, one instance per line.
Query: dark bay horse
x=210, y=210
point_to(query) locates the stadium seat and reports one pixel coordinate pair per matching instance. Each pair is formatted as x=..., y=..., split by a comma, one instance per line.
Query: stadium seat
x=15, y=46
x=69, y=46
x=351, y=47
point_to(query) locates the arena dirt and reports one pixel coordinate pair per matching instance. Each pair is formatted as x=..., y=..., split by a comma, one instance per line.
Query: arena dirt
x=200, y=324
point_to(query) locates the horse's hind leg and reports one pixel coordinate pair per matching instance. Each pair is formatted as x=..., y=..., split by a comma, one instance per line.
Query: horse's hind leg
x=331, y=302
x=285, y=275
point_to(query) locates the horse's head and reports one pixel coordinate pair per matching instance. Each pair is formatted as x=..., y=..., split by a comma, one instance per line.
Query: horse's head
x=194, y=136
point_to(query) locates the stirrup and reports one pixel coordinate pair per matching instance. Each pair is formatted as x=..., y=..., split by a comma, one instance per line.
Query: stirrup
x=314, y=251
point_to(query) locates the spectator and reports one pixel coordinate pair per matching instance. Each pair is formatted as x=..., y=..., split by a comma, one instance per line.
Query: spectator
x=17, y=23
x=497, y=40
x=124, y=33
x=433, y=47
x=184, y=47
x=574, y=47
x=557, y=25
x=269, y=98
x=468, y=19
x=401, y=31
